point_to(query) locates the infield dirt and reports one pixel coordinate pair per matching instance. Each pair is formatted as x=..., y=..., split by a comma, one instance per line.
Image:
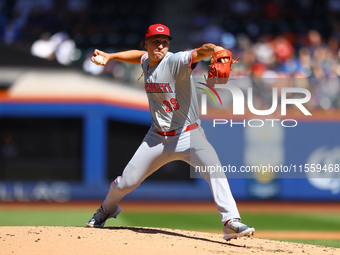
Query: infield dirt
x=148, y=241
x=139, y=240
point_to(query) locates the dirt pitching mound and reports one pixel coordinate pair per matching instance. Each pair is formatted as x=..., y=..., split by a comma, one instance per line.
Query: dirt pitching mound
x=138, y=240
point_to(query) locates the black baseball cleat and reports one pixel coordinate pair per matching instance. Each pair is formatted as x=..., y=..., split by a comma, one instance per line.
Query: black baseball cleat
x=234, y=229
x=99, y=218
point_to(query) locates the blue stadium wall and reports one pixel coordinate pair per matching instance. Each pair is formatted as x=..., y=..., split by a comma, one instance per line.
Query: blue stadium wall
x=318, y=139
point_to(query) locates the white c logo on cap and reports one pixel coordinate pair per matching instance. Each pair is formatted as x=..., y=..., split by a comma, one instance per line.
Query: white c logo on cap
x=160, y=29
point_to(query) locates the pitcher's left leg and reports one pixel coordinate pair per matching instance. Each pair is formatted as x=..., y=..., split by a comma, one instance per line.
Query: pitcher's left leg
x=203, y=155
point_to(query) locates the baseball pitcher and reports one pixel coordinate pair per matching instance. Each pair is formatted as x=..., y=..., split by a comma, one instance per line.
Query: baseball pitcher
x=175, y=133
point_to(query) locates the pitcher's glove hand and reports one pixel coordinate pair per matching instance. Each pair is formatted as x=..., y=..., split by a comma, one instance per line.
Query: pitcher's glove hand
x=220, y=66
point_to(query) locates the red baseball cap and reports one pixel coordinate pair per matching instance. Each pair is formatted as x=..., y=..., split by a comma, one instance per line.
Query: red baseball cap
x=157, y=29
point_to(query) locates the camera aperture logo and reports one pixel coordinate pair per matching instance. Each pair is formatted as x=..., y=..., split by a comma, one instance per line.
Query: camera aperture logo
x=288, y=96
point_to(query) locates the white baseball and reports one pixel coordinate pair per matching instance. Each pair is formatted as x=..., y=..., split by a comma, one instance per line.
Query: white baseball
x=98, y=59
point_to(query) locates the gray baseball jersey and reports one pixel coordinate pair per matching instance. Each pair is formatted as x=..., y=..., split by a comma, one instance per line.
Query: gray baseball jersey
x=171, y=93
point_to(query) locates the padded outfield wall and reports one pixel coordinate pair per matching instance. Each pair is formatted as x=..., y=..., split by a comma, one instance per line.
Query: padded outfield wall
x=95, y=139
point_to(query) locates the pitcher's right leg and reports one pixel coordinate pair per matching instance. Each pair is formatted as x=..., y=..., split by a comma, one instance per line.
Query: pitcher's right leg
x=147, y=159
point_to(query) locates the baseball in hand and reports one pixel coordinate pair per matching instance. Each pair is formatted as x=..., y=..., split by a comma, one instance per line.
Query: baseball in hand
x=98, y=59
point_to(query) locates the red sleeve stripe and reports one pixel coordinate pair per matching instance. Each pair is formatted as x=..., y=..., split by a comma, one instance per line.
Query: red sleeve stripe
x=192, y=66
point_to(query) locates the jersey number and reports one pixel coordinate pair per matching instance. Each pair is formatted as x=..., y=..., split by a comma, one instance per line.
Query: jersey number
x=170, y=105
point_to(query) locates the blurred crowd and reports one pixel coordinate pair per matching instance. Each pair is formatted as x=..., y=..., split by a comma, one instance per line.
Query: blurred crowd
x=88, y=22
x=279, y=43
x=296, y=41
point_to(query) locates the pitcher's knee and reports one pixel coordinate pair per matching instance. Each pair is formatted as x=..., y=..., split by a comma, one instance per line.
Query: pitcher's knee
x=123, y=186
